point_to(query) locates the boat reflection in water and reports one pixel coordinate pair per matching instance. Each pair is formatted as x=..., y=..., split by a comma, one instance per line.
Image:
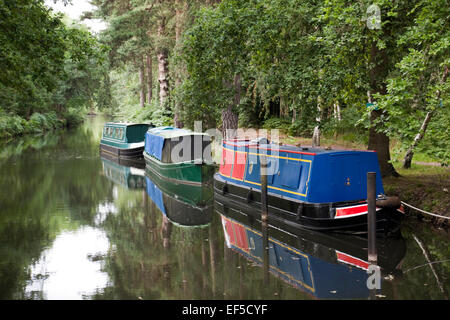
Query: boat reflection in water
x=127, y=173
x=323, y=265
x=183, y=205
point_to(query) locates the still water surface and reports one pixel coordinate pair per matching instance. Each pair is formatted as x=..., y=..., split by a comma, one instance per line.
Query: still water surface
x=76, y=226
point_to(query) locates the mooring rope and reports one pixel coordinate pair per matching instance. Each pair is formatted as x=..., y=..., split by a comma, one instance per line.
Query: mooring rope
x=420, y=210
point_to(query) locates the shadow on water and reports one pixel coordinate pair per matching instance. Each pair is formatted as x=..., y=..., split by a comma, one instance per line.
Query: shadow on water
x=74, y=225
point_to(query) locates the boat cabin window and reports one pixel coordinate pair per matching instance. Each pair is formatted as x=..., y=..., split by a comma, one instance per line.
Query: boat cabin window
x=183, y=149
x=117, y=133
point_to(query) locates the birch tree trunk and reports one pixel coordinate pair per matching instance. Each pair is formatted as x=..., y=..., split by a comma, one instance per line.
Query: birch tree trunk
x=163, y=64
x=409, y=154
x=423, y=128
x=337, y=111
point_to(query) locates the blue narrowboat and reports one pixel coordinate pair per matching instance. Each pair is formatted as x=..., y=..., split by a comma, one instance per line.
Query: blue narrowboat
x=307, y=187
x=323, y=265
x=123, y=140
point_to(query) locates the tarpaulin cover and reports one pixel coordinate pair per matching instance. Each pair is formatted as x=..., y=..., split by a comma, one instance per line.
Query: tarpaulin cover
x=155, y=137
x=154, y=141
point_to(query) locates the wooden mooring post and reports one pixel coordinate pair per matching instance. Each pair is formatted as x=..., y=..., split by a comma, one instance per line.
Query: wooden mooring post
x=263, y=173
x=371, y=217
x=264, y=217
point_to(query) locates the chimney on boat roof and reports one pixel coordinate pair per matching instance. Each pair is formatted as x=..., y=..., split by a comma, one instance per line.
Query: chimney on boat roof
x=260, y=140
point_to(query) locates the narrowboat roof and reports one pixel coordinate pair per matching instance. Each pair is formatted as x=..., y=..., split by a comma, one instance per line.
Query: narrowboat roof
x=172, y=132
x=156, y=138
x=253, y=144
x=125, y=124
x=124, y=135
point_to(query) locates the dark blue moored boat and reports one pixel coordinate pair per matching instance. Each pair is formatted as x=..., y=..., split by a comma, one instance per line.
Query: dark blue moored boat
x=317, y=189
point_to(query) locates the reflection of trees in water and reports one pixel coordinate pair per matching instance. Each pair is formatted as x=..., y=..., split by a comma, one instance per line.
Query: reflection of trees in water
x=46, y=189
x=418, y=278
x=154, y=261
x=160, y=260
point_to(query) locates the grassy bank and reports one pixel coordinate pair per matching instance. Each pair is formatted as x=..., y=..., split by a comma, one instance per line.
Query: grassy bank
x=424, y=186
x=12, y=126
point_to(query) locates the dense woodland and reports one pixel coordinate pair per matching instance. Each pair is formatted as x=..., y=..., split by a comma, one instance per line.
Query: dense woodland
x=371, y=70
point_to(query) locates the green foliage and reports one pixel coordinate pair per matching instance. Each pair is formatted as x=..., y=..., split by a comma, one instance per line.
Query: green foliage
x=32, y=55
x=309, y=53
x=44, y=122
x=277, y=123
x=416, y=85
x=73, y=117
x=302, y=127
x=352, y=126
x=49, y=69
x=14, y=125
x=151, y=113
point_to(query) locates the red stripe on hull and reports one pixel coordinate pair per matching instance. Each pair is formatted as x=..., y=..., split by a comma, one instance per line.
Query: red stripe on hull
x=343, y=257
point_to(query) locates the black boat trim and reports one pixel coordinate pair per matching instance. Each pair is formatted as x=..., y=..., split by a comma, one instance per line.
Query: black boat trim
x=318, y=217
x=123, y=153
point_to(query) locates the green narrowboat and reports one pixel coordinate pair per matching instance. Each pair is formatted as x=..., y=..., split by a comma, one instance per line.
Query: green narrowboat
x=179, y=156
x=123, y=140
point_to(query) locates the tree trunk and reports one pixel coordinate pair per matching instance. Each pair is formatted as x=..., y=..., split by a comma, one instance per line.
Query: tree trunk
x=149, y=66
x=409, y=154
x=229, y=118
x=337, y=111
x=179, y=11
x=229, y=123
x=379, y=141
x=178, y=20
x=316, y=137
x=316, y=133
x=141, y=86
x=163, y=77
x=163, y=63
x=294, y=115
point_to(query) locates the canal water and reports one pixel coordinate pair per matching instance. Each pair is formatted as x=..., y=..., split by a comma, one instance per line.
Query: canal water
x=76, y=226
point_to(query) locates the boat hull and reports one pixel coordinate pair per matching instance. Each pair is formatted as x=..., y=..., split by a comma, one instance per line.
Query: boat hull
x=187, y=173
x=123, y=153
x=297, y=214
x=187, y=206
x=127, y=162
